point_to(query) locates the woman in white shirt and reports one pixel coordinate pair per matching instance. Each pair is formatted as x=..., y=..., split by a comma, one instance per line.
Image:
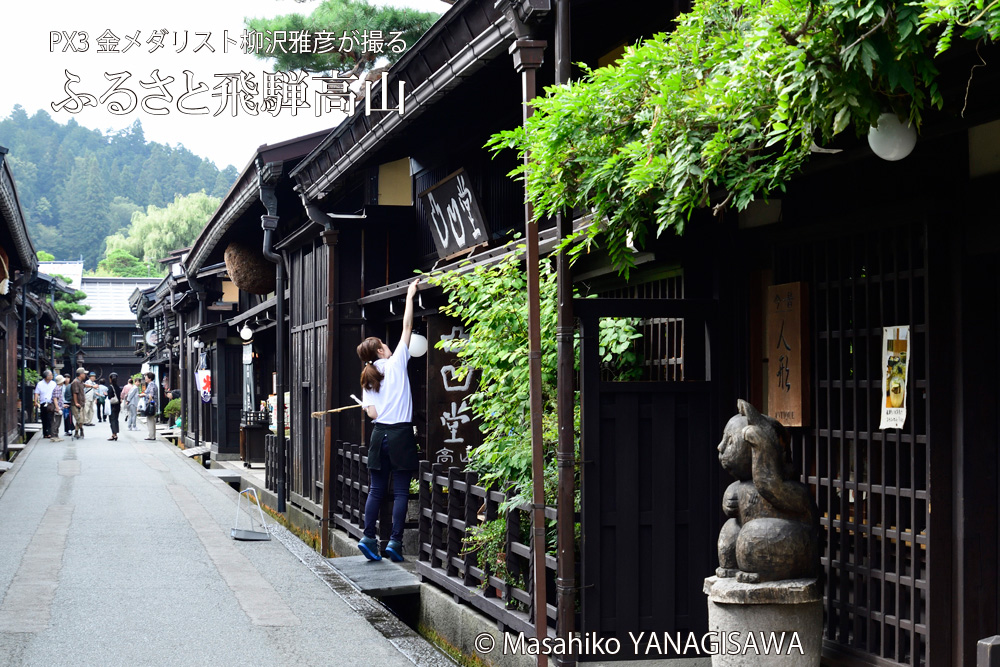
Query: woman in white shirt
x=393, y=448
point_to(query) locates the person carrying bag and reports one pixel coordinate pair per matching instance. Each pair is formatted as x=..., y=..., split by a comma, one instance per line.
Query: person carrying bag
x=150, y=395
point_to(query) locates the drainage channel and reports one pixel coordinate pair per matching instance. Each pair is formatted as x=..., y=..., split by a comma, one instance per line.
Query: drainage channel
x=388, y=621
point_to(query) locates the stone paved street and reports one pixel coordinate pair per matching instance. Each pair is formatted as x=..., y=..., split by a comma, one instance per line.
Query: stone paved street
x=119, y=553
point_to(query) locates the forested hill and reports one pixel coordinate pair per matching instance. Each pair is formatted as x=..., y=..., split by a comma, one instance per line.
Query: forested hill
x=78, y=186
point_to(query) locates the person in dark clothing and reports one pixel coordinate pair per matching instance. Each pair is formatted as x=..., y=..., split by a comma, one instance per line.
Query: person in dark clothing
x=67, y=404
x=116, y=407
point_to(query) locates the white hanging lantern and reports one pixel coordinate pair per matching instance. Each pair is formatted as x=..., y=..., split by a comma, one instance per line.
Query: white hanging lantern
x=418, y=345
x=892, y=140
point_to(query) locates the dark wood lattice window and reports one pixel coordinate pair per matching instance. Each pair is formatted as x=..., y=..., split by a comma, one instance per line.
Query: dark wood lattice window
x=660, y=348
x=871, y=485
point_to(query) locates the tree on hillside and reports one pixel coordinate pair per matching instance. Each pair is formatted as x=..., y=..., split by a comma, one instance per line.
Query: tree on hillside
x=70, y=207
x=152, y=235
x=347, y=54
x=120, y=213
x=44, y=256
x=123, y=264
x=83, y=212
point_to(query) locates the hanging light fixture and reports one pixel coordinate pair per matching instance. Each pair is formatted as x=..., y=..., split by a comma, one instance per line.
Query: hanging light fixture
x=890, y=139
x=246, y=333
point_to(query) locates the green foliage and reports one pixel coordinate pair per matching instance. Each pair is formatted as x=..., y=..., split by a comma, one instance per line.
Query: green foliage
x=66, y=306
x=154, y=234
x=28, y=377
x=124, y=264
x=336, y=17
x=617, y=350
x=489, y=542
x=71, y=332
x=44, y=256
x=78, y=186
x=727, y=107
x=491, y=301
x=172, y=409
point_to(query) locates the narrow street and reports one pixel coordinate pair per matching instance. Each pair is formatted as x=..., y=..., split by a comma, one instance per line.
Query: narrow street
x=119, y=553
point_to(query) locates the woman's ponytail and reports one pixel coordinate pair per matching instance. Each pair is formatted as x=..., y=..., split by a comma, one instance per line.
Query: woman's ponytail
x=371, y=378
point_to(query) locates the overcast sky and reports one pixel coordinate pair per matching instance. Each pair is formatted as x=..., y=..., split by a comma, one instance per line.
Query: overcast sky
x=33, y=72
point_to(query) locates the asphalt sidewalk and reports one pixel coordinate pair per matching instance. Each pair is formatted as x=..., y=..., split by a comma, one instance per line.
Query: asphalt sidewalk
x=119, y=553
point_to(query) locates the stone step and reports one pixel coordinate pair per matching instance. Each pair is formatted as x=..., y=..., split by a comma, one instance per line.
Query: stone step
x=381, y=578
x=196, y=451
x=226, y=475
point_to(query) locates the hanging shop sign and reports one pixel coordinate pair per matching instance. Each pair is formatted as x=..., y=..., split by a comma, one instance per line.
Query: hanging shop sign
x=788, y=354
x=451, y=429
x=249, y=397
x=895, y=346
x=203, y=378
x=454, y=214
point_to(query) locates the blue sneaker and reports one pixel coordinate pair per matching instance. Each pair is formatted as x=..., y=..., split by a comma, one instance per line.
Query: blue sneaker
x=394, y=550
x=369, y=547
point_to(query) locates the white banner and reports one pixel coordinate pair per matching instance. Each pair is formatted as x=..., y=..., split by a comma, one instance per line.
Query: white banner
x=204, y=383
x=895, y=349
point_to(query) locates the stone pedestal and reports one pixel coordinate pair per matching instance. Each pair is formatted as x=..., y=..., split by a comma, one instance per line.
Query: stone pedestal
x=777, y=623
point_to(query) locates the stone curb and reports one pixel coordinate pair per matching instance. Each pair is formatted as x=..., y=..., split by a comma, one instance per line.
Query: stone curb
x=8, y=477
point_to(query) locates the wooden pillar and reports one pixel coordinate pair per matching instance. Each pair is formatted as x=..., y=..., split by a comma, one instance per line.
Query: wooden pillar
x=332, y=387
x=528, y=55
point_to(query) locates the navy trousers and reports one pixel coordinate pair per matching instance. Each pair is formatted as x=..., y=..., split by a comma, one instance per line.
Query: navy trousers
x=378, y=484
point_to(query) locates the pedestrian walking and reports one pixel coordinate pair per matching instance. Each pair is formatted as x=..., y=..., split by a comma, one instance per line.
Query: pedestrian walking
x=392, y=451
x=90, y=391
x=130, y=394
x=43, y=399
x=102, y=398
x=79, y=394
x=150, y=395
x=67, y=405
x=115, y=404
x=57, y=399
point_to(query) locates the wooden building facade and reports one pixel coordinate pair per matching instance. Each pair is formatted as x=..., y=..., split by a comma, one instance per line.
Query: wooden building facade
x=18, y=263
x=873, y=246
x=871, y=243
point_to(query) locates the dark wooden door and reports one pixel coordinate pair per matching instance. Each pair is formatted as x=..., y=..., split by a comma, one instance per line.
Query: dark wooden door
x=648, y=478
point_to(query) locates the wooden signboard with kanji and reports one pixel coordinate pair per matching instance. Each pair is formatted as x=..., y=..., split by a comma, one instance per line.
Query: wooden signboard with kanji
x=451, y=428
x=788, y=354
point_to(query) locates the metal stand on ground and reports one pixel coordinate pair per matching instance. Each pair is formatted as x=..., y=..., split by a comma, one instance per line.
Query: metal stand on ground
x=249, y=535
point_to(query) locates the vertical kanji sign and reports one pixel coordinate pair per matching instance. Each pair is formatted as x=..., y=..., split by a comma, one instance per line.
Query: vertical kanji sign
x=451, y=429
x=787, y=354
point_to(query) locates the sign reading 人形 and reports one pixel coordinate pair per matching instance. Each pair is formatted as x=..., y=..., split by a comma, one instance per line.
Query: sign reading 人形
x=788, y=354
x=455, y=217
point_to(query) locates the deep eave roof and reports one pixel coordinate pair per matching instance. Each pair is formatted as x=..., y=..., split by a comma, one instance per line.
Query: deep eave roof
x=13, y=218
x=475, y=31
x=244, y=193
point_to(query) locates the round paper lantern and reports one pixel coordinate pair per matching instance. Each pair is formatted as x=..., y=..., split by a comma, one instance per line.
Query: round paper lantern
x=418, y=345
x=892, y=140
x=249, y=269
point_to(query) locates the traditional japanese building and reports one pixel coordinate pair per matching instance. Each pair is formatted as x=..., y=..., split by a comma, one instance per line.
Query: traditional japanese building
x=886, y=254
x=858, y=258
x=17, y=265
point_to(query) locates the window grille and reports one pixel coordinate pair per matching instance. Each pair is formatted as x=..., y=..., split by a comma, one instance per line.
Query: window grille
x=871, y=485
